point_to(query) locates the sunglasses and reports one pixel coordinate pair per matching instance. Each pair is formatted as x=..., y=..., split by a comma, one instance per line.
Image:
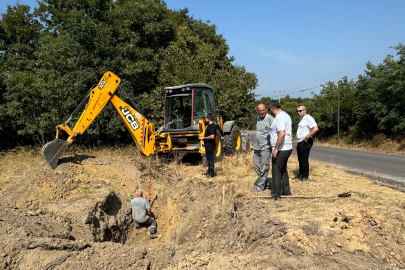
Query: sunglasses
x=298, y=111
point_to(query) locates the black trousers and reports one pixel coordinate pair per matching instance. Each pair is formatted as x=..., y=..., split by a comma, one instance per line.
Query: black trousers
x=281, y=181
x=210, y=154
x=303, y=149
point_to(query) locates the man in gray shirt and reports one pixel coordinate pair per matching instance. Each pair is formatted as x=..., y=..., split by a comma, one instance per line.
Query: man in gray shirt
x=141, y=213
x=262, y=148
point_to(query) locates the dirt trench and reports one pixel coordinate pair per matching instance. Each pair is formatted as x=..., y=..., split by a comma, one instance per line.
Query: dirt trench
x=78, y=217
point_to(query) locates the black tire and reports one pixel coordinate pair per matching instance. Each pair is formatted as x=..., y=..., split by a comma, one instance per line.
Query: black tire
x=233, y=141
x=219, y=148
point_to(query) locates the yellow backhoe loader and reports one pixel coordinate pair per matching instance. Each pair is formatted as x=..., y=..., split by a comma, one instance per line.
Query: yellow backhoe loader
x=184, y=108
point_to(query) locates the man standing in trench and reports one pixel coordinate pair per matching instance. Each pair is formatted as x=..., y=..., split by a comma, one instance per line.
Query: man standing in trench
x=262, y=148
x=307, y=128
x=281, y=143
x=142, y=214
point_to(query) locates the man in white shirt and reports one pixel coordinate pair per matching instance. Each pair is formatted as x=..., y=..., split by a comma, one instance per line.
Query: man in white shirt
x=281, y=143
x=307, y=127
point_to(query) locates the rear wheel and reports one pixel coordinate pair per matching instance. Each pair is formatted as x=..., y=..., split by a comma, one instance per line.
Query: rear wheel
x=233, y=141
x=219, y=149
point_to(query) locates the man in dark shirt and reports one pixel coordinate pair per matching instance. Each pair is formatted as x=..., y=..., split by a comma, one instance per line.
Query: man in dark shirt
x=209, y=144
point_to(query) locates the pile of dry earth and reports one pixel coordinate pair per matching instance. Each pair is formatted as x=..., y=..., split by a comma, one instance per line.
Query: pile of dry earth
x=77, y=217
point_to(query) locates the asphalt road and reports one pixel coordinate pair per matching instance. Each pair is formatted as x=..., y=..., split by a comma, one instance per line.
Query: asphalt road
x=388, y=169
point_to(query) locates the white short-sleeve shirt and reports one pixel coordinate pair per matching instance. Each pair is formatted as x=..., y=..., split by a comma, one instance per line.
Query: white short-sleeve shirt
x=281, y=122
x=305, y=126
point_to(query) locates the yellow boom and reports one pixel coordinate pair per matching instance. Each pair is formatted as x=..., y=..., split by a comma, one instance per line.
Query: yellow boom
x=141, y=130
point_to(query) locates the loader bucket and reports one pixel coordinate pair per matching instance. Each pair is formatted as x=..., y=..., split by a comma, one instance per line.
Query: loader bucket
x=52, y=151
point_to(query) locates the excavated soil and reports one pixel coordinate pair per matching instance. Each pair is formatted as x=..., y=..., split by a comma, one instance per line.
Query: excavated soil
x=77, y=217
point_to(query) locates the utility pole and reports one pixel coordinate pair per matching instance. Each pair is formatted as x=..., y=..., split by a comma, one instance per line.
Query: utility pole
x=338, y=120
x=279, y=92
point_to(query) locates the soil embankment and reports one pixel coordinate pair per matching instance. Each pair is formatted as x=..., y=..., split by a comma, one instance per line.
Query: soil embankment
x=77, y=217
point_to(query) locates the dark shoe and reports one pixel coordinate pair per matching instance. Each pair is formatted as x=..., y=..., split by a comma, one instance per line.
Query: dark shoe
x=137, y=225
x=274, y=198
x=297, y=177
x=153, y=236
x=303, y=178
x=287, y=194
x=286, y=191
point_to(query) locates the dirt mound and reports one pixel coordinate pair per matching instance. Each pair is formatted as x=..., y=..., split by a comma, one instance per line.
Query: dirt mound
x=78, y=217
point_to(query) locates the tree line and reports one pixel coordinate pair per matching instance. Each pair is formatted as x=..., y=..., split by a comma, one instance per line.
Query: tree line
x=52, y=56
x=373, y=105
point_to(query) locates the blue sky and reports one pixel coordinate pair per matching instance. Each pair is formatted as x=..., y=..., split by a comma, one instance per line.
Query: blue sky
x=295, y=45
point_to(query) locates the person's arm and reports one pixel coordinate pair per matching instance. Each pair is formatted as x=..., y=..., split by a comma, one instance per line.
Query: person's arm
x=149, y=213
x=280, y=139
x=312, y=133
x=212, y=136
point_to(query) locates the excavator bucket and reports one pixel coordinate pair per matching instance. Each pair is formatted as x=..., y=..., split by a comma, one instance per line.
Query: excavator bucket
x=52, y=151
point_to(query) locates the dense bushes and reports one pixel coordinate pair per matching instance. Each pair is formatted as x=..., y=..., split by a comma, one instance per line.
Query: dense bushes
x=49, y=59
x=52, y=57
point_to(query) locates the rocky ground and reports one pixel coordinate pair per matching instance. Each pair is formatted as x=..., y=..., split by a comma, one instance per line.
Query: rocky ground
x=77, y=217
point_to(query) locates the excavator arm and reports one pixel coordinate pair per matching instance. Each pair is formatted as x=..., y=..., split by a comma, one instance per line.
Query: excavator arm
x=141, y=130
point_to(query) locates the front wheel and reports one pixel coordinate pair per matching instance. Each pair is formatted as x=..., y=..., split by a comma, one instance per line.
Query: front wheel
x=233, y=141
x=219, y=149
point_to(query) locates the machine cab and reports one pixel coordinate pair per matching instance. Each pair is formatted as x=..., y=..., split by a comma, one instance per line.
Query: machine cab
x=186, y=104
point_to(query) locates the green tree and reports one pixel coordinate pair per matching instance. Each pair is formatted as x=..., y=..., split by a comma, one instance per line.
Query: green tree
x=20, y=32
x=48, y=67
x=382, y=96
x=325, y=107
x=198, y=54
x=125, y=37
x=236, y=99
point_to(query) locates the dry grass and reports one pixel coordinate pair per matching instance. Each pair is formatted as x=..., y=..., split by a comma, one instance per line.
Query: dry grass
x=129, y=152
x=236, y=171
x=378, y=144
x=16, y=161
x=105, y=152
x=324, y=179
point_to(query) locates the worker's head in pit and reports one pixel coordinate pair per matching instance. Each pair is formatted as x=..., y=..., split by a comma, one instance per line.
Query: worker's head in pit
x=139, y=193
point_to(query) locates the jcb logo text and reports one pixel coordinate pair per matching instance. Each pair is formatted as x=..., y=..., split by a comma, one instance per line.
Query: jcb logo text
x=102, y=84
x=131, y=120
